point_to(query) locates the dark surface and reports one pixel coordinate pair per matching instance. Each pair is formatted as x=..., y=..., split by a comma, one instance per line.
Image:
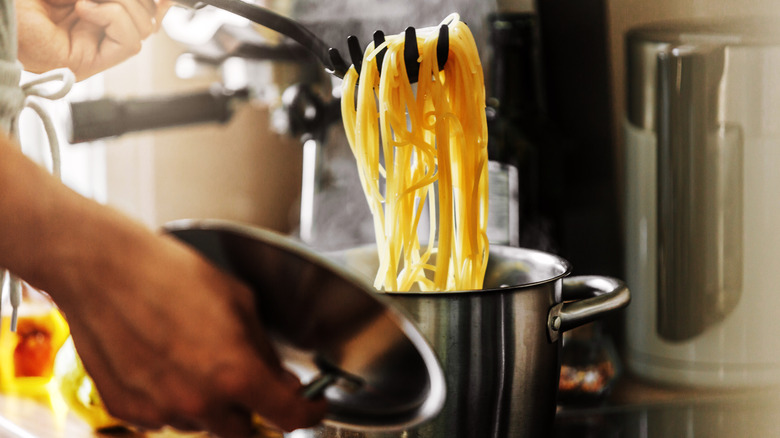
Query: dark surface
x=645, y=410
x=578, y=101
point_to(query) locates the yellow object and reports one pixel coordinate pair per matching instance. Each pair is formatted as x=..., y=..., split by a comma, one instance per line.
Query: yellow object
x=27, y=355
x=78, y=391
x=436, y=135
x=39, y=361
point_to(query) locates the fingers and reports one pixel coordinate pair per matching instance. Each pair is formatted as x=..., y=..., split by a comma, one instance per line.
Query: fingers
x=267, y=388
x=143, y=14
x=119, y=39
x=123, y=25
x=276, y=395
x=238, y=391
x=231, y=423
x=162, y=9
x=113, y=18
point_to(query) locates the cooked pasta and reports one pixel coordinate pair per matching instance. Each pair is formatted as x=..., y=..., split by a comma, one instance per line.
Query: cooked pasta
x=418, y=146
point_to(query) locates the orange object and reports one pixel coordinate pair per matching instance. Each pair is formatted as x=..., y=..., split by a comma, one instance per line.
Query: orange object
x=27, y=355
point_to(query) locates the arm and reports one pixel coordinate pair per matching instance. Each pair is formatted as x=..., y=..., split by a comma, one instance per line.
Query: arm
x=155, y=325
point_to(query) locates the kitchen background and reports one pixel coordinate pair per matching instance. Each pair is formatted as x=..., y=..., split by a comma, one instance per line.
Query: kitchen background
x=250, y=170
x=245, y=170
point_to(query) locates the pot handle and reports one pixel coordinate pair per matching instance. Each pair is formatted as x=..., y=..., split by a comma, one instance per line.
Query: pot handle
x=585, y=298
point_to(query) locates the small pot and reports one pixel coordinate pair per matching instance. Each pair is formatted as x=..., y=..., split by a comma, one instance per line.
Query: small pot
x=499, y=347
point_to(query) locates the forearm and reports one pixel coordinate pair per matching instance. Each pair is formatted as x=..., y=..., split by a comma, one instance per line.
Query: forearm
x=49, y=235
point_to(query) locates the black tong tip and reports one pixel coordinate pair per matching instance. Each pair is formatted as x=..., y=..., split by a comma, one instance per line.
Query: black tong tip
x=411, y=54
x=338, y=65
x=443, y=45
x=379, y=38
x=355, y=52
x=411, y=51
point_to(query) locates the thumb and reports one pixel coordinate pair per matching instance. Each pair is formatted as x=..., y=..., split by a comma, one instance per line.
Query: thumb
x=162, y=8
x=277, y=396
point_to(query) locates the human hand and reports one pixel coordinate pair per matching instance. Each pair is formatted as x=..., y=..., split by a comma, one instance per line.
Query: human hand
x=178, y=343
x=86, y=36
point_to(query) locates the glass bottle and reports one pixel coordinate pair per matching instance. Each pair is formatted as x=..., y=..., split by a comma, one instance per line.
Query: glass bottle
x=519, y=133
x=27, y=355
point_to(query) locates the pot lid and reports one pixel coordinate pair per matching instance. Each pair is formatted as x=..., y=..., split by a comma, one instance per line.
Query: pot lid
x=370, y=362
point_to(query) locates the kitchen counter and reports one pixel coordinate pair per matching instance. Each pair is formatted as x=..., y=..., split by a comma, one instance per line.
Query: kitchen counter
x=28, y=418
x=638, y=409
x=635, y=409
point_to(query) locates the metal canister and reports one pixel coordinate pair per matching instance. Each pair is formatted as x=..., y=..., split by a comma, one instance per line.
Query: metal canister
x=696, y=141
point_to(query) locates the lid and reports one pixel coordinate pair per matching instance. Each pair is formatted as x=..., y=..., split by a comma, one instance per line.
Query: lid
x=507, y=267
x=702, y=38
x=727, y=31
x=377, y=370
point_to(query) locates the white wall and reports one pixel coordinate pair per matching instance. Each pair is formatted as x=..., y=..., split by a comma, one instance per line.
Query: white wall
x=239, y=171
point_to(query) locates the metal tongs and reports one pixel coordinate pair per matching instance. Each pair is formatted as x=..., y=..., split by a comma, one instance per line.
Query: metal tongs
x=327, y=55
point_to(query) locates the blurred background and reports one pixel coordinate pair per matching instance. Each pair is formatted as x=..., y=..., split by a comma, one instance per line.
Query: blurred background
x=249, y=170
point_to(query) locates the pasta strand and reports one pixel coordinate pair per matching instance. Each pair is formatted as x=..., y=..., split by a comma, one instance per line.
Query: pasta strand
x=419, y=145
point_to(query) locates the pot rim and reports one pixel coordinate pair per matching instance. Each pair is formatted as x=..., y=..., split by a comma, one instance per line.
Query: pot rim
x=563, y=266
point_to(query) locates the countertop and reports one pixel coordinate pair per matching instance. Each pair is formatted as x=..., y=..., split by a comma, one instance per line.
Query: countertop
x=640, y=409
x=28, y=418
x=635, y=409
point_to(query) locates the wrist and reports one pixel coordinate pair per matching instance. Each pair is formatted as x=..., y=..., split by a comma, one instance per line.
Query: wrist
x=57, y=240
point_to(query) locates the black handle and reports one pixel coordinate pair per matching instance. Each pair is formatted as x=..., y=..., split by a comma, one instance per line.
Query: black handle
x=329, y=56
x=96, y=119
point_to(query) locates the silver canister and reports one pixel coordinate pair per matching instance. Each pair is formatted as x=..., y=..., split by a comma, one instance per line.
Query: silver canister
x=700, y=132
x=499, y=347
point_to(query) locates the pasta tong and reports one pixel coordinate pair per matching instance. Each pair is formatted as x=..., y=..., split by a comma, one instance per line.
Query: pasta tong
x=329, y=56
x=411, y=51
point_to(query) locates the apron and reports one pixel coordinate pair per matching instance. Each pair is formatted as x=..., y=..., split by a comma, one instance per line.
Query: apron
x=11, y=96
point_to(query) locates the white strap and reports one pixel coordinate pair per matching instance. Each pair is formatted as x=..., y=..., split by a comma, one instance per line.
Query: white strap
x=13, y=99
x=37, y=88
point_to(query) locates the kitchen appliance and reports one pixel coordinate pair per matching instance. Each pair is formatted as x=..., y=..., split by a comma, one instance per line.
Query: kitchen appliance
x=702, y=143
x=498, y=347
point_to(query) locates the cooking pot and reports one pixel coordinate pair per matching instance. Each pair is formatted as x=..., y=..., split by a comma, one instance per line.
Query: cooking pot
x=497, y=348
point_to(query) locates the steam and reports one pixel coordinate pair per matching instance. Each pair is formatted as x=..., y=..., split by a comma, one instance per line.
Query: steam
x=334, y=20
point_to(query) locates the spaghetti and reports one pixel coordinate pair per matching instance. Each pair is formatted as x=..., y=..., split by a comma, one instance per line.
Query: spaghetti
x=433, y=143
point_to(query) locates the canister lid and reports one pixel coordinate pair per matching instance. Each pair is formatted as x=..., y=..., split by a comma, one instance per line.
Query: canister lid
x=644, y=44
x=729, y=31
x=329, y=327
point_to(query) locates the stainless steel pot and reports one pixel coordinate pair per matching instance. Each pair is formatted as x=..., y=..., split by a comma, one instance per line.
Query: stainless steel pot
x=499, y=347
